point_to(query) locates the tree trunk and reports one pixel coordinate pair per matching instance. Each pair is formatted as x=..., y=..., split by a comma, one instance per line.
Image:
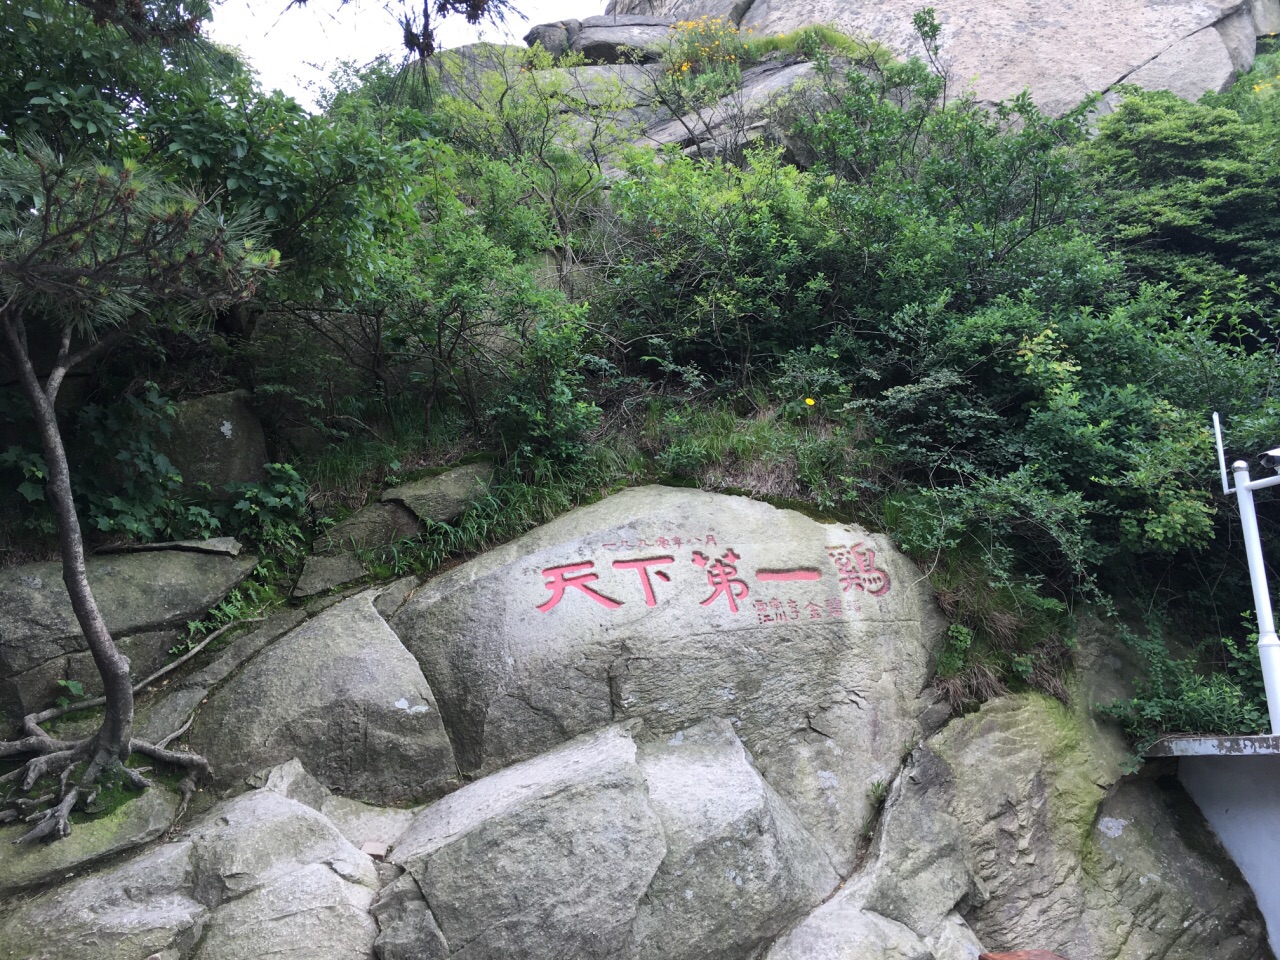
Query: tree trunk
x=112, y=742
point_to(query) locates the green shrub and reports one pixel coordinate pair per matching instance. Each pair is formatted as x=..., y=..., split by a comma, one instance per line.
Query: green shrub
x=722, y=264
x=816, y=41
x=544, y=413
x=272, y=516
x=1218, y=690
x=1188, y=189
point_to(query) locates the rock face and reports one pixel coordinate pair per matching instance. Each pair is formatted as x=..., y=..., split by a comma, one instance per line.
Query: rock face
x=1060, y=52
x=142, y=595
x=735, y=121
x=614, y=39
x=442, y=499
x=547, y=859
x=258, y=876
x=341, y=694
x=554, y=37
x=439, y=499
x=218, y=440
x=673, y=851
x=325, y=571
x=292, y=885
x=1064, y=862
x=147, y=906
x=134, y=823
x=370, y=527
x=673, y=606
x=738, y=862
x=1012, y=828
x=694, y=730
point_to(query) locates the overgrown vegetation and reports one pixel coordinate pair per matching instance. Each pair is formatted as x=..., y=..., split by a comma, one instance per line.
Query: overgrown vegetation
x=1216, y=688
x=988, y=333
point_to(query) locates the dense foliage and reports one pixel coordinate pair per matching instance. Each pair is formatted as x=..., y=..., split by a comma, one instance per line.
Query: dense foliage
x=995, y=334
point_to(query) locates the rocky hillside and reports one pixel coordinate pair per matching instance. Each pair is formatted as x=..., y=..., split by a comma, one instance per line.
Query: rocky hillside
x=1060, y=52
x=511, y=541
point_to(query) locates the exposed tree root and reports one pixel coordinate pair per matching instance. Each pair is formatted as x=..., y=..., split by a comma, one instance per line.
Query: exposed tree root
x=50, y=814
x=52, y=757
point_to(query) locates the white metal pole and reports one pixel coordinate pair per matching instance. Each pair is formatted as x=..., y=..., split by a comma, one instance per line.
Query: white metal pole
x=1268, y=642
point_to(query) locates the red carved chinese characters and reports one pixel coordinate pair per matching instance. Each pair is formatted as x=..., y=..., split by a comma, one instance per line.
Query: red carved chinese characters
x=559, y=580
x=664, y=543
x=774, y=610
x=855, y=565
x=857, y=568
x=642, y=567
x=800, y=573
x=722, y=578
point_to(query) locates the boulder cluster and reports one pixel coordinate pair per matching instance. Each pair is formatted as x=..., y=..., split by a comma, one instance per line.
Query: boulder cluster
x=1060, y=52
x=673, y=724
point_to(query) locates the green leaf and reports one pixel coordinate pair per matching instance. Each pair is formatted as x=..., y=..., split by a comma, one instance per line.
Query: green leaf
x=73, y=687
x=33, y=492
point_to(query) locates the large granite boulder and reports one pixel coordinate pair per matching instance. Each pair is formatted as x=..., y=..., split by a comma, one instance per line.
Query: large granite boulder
x=675, y=850
x=135, y=822
x=673, y=606
x=372, y=526
x=312, y=912
x=340, y=693
x=217, y=440
x=146, y=907
x=323, y=572
x=682, y=712
x=442, y=498
x=841, y=930
x=259, y=837
x=1207, y=60
x=739, y=866
x=144, y=597
x=396, y=516
x=554, y=37
x=1014, y=827
x=258, y=876
x=1061, y=53
x=288, y=883
x=1019, y=815
x=546, y=859
x=905, y=901
x=615, y=39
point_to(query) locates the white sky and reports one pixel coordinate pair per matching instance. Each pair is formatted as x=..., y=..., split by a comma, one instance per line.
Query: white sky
x=294, y=50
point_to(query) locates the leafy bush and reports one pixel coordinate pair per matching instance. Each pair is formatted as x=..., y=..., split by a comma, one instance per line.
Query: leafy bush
x=930, y=197
x=128, y=487
x=721, y=268
x=544, y=414
x=815, y=43
x=272, y=516
x=1193, y=694
x=1188, y=188
x=134, y=489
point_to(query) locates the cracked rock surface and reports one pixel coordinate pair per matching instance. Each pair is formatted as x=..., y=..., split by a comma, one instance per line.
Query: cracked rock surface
x=340, y=693
x=648, y=772
x=143, y=595
x=815, y=646
x=1061, y=52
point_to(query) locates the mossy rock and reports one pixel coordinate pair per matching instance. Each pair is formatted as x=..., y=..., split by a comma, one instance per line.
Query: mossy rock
x=138, y=820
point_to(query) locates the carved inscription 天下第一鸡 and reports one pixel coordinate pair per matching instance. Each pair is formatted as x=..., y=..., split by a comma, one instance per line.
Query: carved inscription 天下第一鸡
x=724, y=584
